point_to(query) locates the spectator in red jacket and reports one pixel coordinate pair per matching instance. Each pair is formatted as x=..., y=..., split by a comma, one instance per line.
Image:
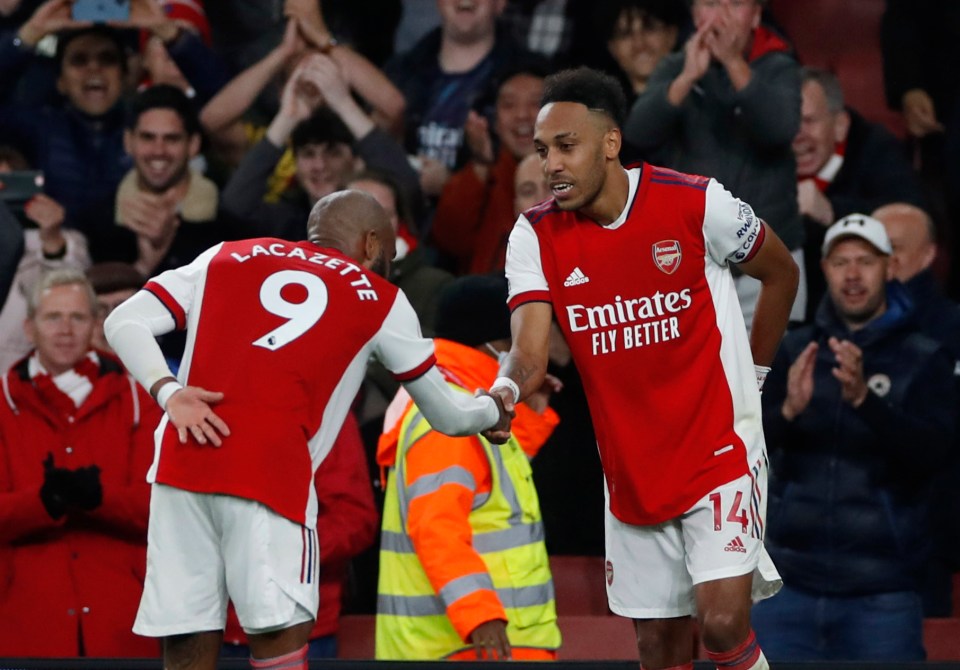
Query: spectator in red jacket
x=75, y=446
x=347, y=523
x=475, y=213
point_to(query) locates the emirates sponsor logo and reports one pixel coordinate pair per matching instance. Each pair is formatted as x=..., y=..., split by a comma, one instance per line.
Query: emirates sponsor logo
x=630, y=310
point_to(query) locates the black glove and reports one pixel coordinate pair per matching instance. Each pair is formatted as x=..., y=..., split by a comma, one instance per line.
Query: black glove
x=87, y=492
x=57, y=490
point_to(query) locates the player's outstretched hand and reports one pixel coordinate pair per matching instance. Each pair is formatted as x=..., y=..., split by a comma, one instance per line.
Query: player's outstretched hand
x=189, y=410
x=490, y=641
x=500, y=432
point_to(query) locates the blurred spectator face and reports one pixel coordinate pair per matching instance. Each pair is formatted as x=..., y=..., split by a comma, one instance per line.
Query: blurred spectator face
x=106, y=303
x=62, y=327
x=856, y=275
x=91, y=76
x=736, y=17
x=820, y=130
x=161, y=149
x=518, y=102
x=324, y=168
x=909, y=230
x=468, y=20
x=383, y=194
x=529, y=185
x=638, y=43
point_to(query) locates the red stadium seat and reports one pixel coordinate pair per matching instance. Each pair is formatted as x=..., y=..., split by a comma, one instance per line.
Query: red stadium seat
x=355, y=639
x=941, y=638
x=578, y=582
x=843, y=37
x=597, y=637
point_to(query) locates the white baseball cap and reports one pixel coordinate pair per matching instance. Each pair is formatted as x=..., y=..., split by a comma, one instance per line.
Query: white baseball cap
x=858, y=225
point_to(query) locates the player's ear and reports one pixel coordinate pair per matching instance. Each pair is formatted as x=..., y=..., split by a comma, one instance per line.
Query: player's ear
x=371, y=245
x=612, y=140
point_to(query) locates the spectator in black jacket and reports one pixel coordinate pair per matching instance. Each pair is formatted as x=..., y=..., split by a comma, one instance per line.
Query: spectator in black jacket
x=728, y=106
x=332, y=138
x=845, y=164
x=859, y=413
x=913, y=238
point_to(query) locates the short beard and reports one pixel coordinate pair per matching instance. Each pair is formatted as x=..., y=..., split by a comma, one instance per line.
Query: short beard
x=177, y=177
x=381, y=265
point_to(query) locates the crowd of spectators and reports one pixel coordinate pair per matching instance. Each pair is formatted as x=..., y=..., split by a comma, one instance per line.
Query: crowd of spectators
x=152, y=138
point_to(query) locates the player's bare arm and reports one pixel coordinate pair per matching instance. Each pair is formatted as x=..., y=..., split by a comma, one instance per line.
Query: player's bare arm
x=526, y=364
x=779, y=275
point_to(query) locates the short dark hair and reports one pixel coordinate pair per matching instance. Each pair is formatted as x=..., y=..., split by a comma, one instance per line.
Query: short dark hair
x=113, y=276
x=596, y=90
x=98, y=29
x=669, y=12
x=164, y=96
x=321, y=127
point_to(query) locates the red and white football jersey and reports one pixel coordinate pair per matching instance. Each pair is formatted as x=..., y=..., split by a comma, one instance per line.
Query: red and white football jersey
x=285, y=331
x=648, y=307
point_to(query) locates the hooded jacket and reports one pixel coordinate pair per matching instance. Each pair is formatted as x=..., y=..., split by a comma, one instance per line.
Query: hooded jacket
x=73, y=585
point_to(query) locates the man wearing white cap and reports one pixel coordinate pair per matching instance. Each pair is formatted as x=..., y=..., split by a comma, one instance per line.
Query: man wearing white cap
x=858, y=413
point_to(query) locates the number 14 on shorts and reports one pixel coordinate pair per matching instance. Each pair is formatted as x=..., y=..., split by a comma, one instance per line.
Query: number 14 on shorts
x=735, y=515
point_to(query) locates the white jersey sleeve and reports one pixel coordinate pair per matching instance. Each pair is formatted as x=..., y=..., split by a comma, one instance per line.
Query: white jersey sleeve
x=410, y=357
x=523, y=267
x=160, y=308
x=448, y=411
x=131, y=330
x=733, y=232
x=177, y=288
x=399, y=344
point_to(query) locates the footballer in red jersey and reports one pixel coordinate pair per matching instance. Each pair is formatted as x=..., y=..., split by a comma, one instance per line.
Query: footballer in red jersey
x=283, y=331
x=635, y=266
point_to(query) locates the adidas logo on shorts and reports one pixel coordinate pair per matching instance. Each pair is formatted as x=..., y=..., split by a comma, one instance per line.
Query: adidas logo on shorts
x=576, y=278
x=736, y=544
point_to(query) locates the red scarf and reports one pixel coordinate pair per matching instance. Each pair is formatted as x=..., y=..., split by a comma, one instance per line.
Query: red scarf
x=765, y=41
x=829, y=171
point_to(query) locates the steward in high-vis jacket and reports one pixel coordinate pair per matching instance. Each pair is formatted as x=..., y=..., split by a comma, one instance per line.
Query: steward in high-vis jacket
x=463, y=564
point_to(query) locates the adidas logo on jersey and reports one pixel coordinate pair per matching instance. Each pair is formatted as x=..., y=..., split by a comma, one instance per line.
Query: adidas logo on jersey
x=736, y=544
x=576, y=278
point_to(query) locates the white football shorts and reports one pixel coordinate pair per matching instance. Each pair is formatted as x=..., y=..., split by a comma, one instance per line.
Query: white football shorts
x=205, y=549
x=651, y=570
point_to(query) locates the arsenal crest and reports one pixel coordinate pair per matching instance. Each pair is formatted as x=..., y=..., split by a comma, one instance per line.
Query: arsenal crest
x=667, y=255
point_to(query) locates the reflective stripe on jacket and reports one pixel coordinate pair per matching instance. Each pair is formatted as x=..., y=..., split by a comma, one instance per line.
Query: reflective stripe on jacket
x=428, y=613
